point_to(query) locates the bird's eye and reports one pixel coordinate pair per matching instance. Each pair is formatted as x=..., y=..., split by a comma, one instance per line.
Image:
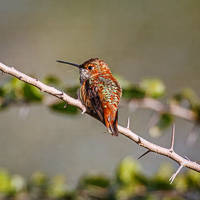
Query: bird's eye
x=90, y=67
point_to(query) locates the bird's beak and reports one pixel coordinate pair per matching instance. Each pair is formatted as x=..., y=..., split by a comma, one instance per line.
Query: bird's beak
x=69, y=63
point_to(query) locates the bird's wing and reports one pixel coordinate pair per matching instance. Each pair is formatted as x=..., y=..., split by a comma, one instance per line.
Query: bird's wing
x=94, y=95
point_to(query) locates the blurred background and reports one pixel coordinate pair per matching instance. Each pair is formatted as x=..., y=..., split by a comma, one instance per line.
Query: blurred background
x=137, y=38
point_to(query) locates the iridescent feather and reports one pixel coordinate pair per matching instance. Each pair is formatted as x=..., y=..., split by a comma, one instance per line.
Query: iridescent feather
x=101, y=93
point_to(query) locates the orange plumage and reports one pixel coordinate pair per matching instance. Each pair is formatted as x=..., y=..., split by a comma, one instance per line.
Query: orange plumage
x=100, y=92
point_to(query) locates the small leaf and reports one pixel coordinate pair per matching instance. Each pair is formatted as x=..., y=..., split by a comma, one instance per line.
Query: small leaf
x=133, y=92
x=4, y=181
x=94, y=180
x=72, y=91
x=161, y=179
x=57, y=188
x=39, y=179
x=165, y=121
x=193, y=179
x=191, y=96
x=32, y=93
x=127, y=171
x=153, y=87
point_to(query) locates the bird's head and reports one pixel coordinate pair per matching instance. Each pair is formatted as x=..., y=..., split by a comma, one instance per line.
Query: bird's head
x=90, y=68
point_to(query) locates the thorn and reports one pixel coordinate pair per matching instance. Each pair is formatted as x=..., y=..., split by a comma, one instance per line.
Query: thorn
x=139, y=140
x=128, y=123
x=187, y=158
x=83, y=111
x=145, y=153
x=61, y=93
x=172, y=138
x=175, y=174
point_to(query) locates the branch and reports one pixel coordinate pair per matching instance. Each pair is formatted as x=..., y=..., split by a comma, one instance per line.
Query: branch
x=124, y=131
x=41, y=86
x=171, y=108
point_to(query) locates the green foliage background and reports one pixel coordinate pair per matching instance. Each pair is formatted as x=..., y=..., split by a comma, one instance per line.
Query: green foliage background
x=128, y=182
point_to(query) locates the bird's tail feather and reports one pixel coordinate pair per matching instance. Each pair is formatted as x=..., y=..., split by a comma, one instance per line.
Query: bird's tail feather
x=112, y=125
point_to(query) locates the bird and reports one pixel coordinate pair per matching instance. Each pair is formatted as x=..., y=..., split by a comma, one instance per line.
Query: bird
x=100, y=92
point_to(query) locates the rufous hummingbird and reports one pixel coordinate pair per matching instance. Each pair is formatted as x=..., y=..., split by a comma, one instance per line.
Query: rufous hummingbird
x=100, y=92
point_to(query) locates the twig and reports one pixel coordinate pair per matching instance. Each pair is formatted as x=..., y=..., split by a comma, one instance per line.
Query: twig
x=172, y=138
x=125, y=131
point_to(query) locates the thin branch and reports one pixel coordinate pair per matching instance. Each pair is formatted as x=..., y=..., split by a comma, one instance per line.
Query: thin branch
x=125, y=131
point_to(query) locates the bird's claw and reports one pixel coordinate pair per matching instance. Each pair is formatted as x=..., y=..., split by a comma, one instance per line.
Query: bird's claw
x=83, y=111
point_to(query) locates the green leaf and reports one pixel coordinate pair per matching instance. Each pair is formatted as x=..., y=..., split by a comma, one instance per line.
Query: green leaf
x=32, y=93
x=72, y=91
x=39, y=179
x=127, y=171
x=94, y=180
x=57, y=188
x=133, y=92
x=51, y=80
x=153, y=87
x=161, y=179
x=193, y=179
x=165, y=121
x=191, y=96
x=64, y=108
x=2, y=92
x=5, y=183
